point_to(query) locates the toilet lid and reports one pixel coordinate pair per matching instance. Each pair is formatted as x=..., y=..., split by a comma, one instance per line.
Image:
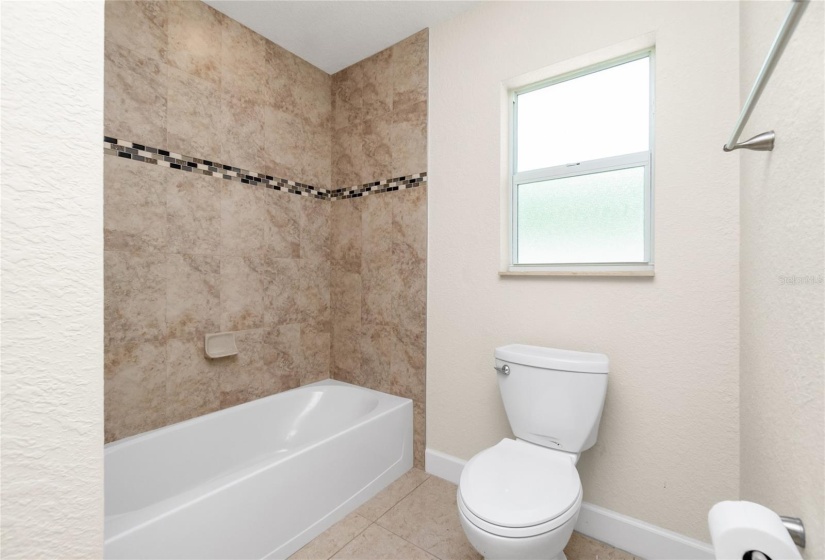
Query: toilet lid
x=519, y=484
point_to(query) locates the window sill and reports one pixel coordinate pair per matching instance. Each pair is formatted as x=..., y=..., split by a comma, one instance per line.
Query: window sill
x=636, y=271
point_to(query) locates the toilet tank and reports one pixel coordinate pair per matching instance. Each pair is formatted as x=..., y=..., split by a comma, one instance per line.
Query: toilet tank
x=553, y=398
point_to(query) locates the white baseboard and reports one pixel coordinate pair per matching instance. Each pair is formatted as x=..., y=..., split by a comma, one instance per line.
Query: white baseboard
x=443, y=466
x=620, y=531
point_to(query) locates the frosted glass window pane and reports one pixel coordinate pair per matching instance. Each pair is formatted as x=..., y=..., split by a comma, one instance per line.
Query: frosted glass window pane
x=598, y=115
x=594, y=218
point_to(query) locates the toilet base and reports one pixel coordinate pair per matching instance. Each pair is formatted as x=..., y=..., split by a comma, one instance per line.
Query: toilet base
x=547, y=546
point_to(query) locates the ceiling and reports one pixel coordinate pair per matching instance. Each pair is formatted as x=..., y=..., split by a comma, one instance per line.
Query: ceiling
x=333, y=34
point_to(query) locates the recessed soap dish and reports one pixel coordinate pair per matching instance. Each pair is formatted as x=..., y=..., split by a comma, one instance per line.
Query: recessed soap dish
x=220, y=345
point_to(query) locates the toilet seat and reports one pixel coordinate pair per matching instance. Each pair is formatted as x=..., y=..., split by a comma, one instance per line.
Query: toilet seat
x=519, y=489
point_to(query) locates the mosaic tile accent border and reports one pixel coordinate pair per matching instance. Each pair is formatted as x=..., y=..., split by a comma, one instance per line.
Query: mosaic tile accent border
x=165, y=158
x=384, y=185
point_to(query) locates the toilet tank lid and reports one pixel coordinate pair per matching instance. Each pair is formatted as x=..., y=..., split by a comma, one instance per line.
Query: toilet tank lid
x=553, y=358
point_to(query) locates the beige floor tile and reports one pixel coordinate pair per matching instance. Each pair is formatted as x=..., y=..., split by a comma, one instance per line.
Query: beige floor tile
x=392, y=494
x=379, y=544
x=333, y=539
x=583, y=548
x=428, y=518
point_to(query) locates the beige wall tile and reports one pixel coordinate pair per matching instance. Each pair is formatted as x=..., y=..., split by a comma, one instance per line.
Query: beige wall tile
x=241, y=130
x=347, y=156
x=409, y=219
x=314, y=292
x=285, y=144
x=376, y=259
x=282, y=230
x=314, y=100
x=409, y=250
x=346, y=351
x=243, y=55
x=408, y=138
x=282, y=358
x=194, y=44
x=405, y=374
x=377, y=294
x=193, y=213
x=134, y=206
x=241, y=377
x=410, y=69
x=283, y=303
x=376, y=87
x=139, y=26
x=134, y=96
x=377, y=230
x=347, y=96
x=410, y=283
x=316, y=163
x=192, y=382
x=315, y=344
x=281, y=77
x=193, y=107
x=376, y=138
x=135, y=388
x=345, y=301
x=244, y=218
x=242, y=292
x=345, y=295
x=376, y=356
x=134, y=296
x=419, y=433
x=193, y=290
x=345, y=234
x=315, y=228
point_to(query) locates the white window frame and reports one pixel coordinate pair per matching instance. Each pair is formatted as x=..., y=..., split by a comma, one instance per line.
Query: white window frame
x=572, y=169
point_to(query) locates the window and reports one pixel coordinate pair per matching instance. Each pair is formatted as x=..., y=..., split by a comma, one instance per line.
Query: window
x=581, y=182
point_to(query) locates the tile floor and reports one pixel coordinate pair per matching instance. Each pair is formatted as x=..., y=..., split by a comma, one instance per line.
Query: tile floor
x=416, y=518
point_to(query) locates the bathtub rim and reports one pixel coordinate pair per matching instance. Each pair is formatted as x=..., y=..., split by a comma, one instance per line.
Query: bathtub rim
x=156, y=512
x=151, y=434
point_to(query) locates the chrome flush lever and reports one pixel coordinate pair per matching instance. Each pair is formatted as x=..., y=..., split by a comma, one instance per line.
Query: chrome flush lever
x=505, y=369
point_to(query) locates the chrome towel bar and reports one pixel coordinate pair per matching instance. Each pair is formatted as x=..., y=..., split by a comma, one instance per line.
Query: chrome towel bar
x=765, y=140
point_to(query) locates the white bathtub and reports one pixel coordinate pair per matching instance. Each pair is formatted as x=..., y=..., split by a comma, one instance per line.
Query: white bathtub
x=258, y=480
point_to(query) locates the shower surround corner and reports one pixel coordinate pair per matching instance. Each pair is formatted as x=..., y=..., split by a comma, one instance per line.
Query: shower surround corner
x=249, y=191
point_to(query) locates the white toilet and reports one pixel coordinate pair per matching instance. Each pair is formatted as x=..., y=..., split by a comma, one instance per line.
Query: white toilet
x=520, y=498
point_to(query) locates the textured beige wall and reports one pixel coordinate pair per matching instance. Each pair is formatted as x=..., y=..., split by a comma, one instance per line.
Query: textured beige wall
x=51, y=457
x=188, y=254
x=379, y=242
x=782, y=379
x=669, y=442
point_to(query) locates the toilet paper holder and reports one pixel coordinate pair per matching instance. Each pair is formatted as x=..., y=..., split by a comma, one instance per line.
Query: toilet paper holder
x=795, y=528
x=744, y=530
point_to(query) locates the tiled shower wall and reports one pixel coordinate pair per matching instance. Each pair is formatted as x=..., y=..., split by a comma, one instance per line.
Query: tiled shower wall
x=379, y=241
x=188, y=254
x=313, y=287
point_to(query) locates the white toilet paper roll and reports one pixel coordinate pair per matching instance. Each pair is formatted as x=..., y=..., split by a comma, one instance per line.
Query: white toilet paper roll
x=737, y=528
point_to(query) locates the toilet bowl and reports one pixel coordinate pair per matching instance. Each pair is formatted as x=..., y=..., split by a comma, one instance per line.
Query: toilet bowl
x=520, y=499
